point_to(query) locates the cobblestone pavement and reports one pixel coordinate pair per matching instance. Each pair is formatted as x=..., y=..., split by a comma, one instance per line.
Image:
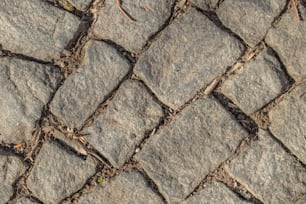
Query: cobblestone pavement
x=164, y=101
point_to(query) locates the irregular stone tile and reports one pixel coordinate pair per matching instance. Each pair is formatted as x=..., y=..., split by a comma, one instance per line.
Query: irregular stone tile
x=80, y=4
x=41, y=34
x=270, y=173
x=250, y=19
x=288, y=39
x=260, y=81
x=196, y=141
x=288, y=121
x=25, y=201
x=128, y=187
x=131, y=113
x=183, y=59
x=25, y=87
x=149, y=15
x=101, y=71
x=215, y=193
x=205, y=4
x=58, y=173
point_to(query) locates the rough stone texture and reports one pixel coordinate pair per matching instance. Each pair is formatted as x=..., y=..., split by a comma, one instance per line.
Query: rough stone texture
x=25, y=87
x=174, y=72
x=196, y=141
x=269, y=172
x=101, y=71
x=149, y=15
x=128, y=187
x=205, y=4
x=57, y=173
x=10, y=169
x=288, y=121
x=215, y=193
x=117, y=132
x=25, y=201
x=258, y=83
x=288, y=39
x=302, y=200
x=41, y=34
x=250, y=19
x=80, y=4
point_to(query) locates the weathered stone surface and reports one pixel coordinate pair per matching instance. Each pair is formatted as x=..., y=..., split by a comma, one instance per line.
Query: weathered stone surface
x=250, y=19
x=102, y=70
x=269, y=172
x=117, y=132
x=288, y=121
x=196, y=141
x=302, y=200
x=25, y=201
x=80, y=4
x=25, y=87
x=149, y=15
x=205, y=4
x=288, y=39
x=215, y=193
x=10, y=169
x=128, y=187
x=57, y=173
x=183, y=59
x=258, y=83
x=42, y=34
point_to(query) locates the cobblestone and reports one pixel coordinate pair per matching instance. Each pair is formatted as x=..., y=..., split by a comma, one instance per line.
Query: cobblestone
x=205, y=4
x=80, y=4
x=25, y=201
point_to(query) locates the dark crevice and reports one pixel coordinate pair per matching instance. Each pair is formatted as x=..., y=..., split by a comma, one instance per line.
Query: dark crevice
x=66, y=6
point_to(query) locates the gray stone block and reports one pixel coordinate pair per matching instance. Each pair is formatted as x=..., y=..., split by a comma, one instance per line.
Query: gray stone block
x=205, y=4
x=35, y=28
x=25, y=201
x=80, y=4
x=101, y=71
x=57, y=173
x=196, y=141
x=131, y=113
x=250, y=19
x=25, y=87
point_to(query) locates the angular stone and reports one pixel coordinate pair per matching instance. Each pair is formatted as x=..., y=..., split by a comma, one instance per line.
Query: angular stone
x=149, y=15
x=25, y=201
x=41, y=34
x=288, y=121
x=270, y=173
x=101, y=71
x=183, y=59
x=25, y=87
x=196, y=141
x=80, y=4
x=58, y=173
x=288, y=39
x=215, y=193
x=128, y=187
x=131, y=113
x=250, y=19
x=205, y=4
x=260, y=81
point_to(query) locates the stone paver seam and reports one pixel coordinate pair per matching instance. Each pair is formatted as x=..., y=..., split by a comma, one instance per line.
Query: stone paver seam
x=66, y=6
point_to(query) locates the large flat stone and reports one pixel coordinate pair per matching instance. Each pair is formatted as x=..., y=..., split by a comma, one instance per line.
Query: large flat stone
x=269, y=172
x=128, y=187
x=25, y=201
x=288, y=121
x=260, y=81
x=25, y=87
x=41, y=34
x=250, y=19
x=115, y=26
x=101, y=71
x=80, y=4
x=57, y=173
x=196, y=141
x=183, y=59
x=205, y=4
x=131, y=113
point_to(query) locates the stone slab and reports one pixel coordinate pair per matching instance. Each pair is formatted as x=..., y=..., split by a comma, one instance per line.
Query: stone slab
x=174, y=72
x=205, y=4
x=196, y=141
x=80, y=4
x=25, y=201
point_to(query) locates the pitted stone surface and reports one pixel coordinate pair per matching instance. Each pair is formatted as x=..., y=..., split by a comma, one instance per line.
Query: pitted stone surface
x=131, y=113
x=250, y=19
x=57, y=173
x=41, y=34
x=269, y=172
x=196, y=141
x=149, y=15
x=25, y=201
x=215, y=193
x=288, y=121
x=288, y=39
x=101, y=71
x=260, y=81
x=174, y=72
x=205, y=4
x=80, y=4
x=25, y=87
x=128, y=187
